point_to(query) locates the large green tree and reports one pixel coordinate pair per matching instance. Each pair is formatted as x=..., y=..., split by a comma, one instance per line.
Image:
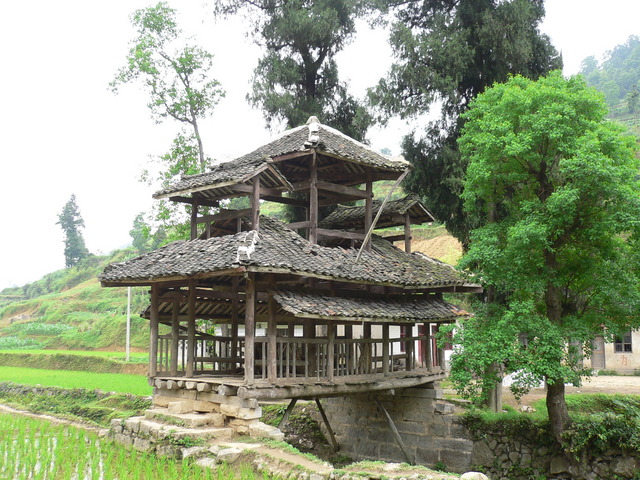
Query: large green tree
x=557, y=187
x=298, y=75
x=71, y=222
x=446, y=53
x=177, y=77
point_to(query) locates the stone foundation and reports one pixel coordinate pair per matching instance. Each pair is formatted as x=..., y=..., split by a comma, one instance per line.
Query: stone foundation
x=427, y=424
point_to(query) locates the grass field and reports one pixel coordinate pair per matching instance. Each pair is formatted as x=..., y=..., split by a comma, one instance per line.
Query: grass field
x=36, y=449
x=135, y=384
x=121, y=356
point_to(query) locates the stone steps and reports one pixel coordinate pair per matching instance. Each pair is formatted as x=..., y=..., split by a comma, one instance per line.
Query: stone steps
x=191, y=420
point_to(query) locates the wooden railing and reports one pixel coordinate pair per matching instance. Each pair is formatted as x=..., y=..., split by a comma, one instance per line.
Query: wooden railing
x=319, y=358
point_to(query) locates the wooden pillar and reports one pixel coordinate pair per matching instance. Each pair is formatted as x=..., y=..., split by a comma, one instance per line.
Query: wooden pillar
x=410, y=348
x=194, y=218
x=272, y=331
x=310, y=357
x=239, y=225
x=153, y=331
x=368, y=347
x=175, y=337
x=428, y=355
x=313, y=199
x=255, y=205
x=234, y=321
x=249, y=330
x=385, y=349
x=331, y=349
x=191, y=330
x=407, y=233
x=368, y=210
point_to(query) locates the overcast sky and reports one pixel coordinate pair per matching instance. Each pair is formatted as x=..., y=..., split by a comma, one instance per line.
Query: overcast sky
x=63, y=132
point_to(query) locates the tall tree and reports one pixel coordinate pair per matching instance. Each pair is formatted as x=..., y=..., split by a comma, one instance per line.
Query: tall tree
x=298, y=76
x=447, y=52
x=176, y=77
x=558, y=185
x=71, y=222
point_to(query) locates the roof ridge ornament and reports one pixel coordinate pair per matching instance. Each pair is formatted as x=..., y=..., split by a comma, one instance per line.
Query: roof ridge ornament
x=314, y=131
x=244, y=251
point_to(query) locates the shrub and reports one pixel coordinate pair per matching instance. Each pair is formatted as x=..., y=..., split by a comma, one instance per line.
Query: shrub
x=16, y=343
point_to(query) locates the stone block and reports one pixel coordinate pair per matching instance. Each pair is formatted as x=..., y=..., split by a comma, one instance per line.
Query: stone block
x=261, y=430
x=205, y=406
x=122, y=439
x=240, y=412
x=227, y=400
x=426, y=455
x=474, y=476
x=184, y=406
x=482, y=454
x=228, y=455
x=436, y=394
x=559, y=464
x=444, y=408
x=143, y=444
x=171, y=451
x=193, y=452
x=207, y=462
x=180, y=394
x=132, y=424
x=418, y=412
x=624, y=466
x=440, y=429
x=456, y=460
x=417, y=428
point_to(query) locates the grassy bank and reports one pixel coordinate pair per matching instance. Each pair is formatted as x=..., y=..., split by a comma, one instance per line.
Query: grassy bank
x=111, y=382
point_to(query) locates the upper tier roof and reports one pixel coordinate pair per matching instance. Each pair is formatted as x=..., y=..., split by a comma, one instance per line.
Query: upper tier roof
x=280, y=250
x=345, y=217
x=288, y=146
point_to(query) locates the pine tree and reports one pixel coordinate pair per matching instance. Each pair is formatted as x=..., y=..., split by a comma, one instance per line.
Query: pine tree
x=71, y=221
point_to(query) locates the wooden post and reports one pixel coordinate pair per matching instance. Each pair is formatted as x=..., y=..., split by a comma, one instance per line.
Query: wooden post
x=191, y=330
x=194, y=218
x=234, y=321
x=368, y=210
x=385, y=349
x=367, y=347
x=175, y=337
x=407, y=233
x=313, y=199
x=287, y=412
x=395, y=432
x=272, y=331
x=153, y=332
x=334, y=443
x=331, y=348
x=255, y=205
x=410, y=348
x=249, y=330
x=428, y=354
x=239, y=225
x=310, y=358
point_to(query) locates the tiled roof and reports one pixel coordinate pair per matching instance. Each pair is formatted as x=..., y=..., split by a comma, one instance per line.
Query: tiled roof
x=411, y=309
x=345, y=217
x=301, y=139
x=280, y=249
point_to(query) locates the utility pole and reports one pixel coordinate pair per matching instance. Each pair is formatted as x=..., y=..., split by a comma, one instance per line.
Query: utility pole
x=128, y=321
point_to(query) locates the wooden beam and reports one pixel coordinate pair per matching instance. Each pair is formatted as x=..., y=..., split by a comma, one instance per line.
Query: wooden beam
x=234, y=317
x=334, y=443
x=323, y=232
x=313, y=199
x=285, y=418
x=395, y=238
x=242, y=188
x=255, y=205
x=201, y=201
x=395, y=432
x=331, y=346
x=272, y=366
x=385, y=349
x=224, y=215
x=191, y=330
x=286, y=200
x=249, y=330
x=298, y=225
x=153, y=332
x=343, y=190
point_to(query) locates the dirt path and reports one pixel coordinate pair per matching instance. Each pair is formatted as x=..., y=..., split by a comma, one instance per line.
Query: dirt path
x=622, y=384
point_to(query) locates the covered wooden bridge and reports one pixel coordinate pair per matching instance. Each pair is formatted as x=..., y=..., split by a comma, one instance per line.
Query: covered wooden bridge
x=252, y=307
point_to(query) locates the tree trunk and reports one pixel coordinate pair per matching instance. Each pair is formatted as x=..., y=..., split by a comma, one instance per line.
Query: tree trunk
x=557, y=407
x=196, y=130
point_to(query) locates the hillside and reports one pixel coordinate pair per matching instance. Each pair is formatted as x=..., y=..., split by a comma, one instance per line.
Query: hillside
x=68, y=309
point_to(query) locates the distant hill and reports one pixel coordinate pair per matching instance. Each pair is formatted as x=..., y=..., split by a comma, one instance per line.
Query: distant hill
x=68, y=309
